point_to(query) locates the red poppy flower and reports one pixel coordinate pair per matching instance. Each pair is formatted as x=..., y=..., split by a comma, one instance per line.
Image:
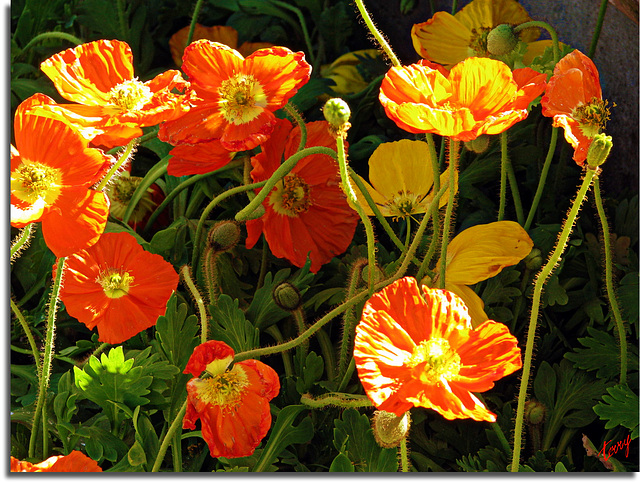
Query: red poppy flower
x=74, y=462
x=51, y=172
x=574, y=100
x=480, y=96
x=232, y=405
x=218, y=33
x=419, y=349
x=199, y=158
x=99, y=77
x=234, y=98
x=117, y=286
x=307, y=211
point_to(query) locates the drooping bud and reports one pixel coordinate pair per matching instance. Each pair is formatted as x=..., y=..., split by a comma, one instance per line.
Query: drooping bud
x=337, y=113
x=599, y=150
x=501, y=40
x=389, y=430
x=287, y=296
x=534, y=412
x=479, y=144
x=533, y=261
x=223, y=236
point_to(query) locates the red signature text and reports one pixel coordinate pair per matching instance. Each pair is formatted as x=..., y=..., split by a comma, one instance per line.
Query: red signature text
x=614, y=448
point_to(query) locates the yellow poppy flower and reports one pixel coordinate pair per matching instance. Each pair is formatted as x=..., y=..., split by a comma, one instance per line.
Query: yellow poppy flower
x=448, y=39
x=401, y=179
x=479, y=253
x=344, y=71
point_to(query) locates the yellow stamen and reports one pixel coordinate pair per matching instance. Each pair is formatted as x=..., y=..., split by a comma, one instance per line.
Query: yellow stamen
x=115, y=283
x=592, y=117
x=291, y=197
x=241, y=98
x=120, y=193
x=130, y=95
x=403, y=204
x=224, y=389
x=31, y=182
x=478, y=43
x=433, y=361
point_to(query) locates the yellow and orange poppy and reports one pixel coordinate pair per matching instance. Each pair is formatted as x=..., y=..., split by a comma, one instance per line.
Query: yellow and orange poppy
x=417, y=348
x=117, y=286
x=74, y=462
x=232, y=404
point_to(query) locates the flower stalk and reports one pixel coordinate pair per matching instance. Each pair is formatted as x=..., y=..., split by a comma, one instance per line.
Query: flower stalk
x=446, y=230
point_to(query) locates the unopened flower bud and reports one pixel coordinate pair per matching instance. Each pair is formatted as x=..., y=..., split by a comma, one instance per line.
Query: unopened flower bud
x=337, y=113
x=287, y=296
x=534, y=412
x=501, y=40
x=389, y=430
x=533, y=261
x=224, y=236
x=599, y=150
x=479, y=144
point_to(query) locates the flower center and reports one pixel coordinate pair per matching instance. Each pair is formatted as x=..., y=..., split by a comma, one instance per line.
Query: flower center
x=433, y=360
x=592, y=117
x=115, y=283
x=223, y=389
x=403, y=204
x=130, y=95
x=291, y=197
x=478, y=42
x=120, y=193
x=31, y=182
x=242, y=98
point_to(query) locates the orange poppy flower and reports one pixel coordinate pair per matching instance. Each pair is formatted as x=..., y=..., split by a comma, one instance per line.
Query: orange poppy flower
x=419, y=349
x=234, y=98
x=480, y=96
x=218, y=33
x=232, y=405
x=74, y=462
x=51, y=172
x=307, y=212
x=574, y=100
x=99, y=77
x=117, y=286
x=199, y=158
x=449, y=39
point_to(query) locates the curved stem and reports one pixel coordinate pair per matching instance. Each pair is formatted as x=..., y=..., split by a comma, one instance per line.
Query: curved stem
x=214, y=202
x=611, y=293
x=348, y=321
x=347, y=375
x=596, y=32
x=293, y=113
x=29, y=334
x=51, y=35
x=194, y=20
x=446, y=229
x=277, y=175
x=326, y=347
x=303, y=25
x=122, y=21
x=504, y=159
x=336, y=399
x=543, y=178
x=351, y=196
x=177, y=422
x=121, y=160
x=274, y=332
x=377, y=35
x=21, y=241
x=185, y=273
x=515, y=192
x=548, y=28
x=45, y=372
x=544, y=273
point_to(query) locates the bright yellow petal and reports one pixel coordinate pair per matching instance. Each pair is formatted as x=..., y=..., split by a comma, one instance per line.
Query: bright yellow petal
x=401, y=167
x=444, y=181
x=471, y=300
x=491, y=13
x=482, y=251
x=442, y=39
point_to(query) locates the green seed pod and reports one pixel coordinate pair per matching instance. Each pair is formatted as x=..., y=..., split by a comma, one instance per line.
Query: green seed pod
x=479, y=144
x=533, y=261
x=501, y=40
x=389, y=430
x=337, y=113
x=534, y=412
x=223, y=236
x=287, y=296
x=599, y=150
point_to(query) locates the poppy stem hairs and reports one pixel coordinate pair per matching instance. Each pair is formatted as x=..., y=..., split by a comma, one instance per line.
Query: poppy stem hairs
x=454, y=146
x=376, y=33
x=541, y=279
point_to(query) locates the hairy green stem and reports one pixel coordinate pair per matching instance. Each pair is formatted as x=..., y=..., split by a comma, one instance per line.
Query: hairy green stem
x=504, y=159
x=404, y=456
x=541, y=279
x=21, y=241
x=326, y=347
x=377, y=35
x=336, y=399
x=548, y=28
x=598, y=29
x=185, y=273
x=121, y=160
x=303, y=26
x=295, y=115
x=446, y=228
x=348, y=321
x=45, y=371
x=27, y=330
x=194, y=21
x=302, y=349
x=611, y=293
x=543, y=178
x=177, y=423
x=277, y=175
x=347, y=375
x=274, y=332
x=122, y=21
x=51, y=35
x=515, y=192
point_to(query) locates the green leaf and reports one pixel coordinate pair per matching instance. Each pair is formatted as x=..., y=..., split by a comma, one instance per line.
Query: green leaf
x=263, y=311
x=554, y=293
x=136, y=455
x=353, y=431
x=335, y=26
x=112, y=381
x=628, y=296
x=177, y=333
x=601, y=353
x=308, y=95
x=342, y=464
x=619, y=408
x=99, y=443
x=161, y=372
x=283, y=434
x=146, y=438
x=230, y=325
x=310, y=373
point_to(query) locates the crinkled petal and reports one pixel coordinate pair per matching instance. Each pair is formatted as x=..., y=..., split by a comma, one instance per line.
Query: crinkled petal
x=198, y=158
